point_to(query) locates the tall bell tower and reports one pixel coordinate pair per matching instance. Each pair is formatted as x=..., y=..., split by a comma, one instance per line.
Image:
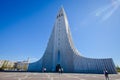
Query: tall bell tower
x=60, y=52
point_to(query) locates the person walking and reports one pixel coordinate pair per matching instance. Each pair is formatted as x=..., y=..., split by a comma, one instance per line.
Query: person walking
x=61, y=70
x=106, y=75
x=44, y=69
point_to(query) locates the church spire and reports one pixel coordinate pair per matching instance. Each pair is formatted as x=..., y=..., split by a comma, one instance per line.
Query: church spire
x=61, y=51
x=61, y=12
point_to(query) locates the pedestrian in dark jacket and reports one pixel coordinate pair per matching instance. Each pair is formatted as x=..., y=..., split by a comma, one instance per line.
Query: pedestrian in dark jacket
x=106, y=75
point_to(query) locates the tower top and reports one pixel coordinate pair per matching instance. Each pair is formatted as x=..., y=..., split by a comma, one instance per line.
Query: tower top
x=61, y=12
x=62, y=7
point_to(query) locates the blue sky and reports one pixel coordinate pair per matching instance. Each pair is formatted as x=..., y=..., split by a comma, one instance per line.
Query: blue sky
x=26, y=25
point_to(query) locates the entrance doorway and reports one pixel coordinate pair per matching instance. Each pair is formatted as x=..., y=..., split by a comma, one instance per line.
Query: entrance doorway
x=58, y=66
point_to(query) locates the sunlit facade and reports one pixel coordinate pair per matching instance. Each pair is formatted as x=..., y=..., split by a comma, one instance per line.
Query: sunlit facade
x=60, y=52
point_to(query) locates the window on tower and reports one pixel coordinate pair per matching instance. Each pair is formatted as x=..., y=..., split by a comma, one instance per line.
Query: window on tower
x=58, y=43
x=58, y=39
x=60, y=15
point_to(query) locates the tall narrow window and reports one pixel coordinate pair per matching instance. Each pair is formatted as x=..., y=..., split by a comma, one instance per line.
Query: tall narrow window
x=58, y=57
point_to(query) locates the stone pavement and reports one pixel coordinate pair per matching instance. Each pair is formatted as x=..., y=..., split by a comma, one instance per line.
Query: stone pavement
x=54, y=76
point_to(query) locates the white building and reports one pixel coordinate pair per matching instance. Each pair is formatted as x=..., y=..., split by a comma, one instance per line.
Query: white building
x=1, y=63
x=21, y=65
x=6, y=64
x=61, y=52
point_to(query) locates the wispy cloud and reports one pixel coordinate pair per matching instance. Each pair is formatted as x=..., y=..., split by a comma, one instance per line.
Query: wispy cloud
x=101, y=14
x=108, y=10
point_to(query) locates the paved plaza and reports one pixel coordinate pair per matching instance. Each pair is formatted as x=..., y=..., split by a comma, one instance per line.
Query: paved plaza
x=54, y=76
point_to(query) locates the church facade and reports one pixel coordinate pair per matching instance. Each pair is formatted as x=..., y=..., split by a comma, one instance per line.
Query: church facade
x=60, y=52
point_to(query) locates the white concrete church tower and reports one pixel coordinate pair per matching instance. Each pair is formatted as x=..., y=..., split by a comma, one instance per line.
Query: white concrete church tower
x=60, y=52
